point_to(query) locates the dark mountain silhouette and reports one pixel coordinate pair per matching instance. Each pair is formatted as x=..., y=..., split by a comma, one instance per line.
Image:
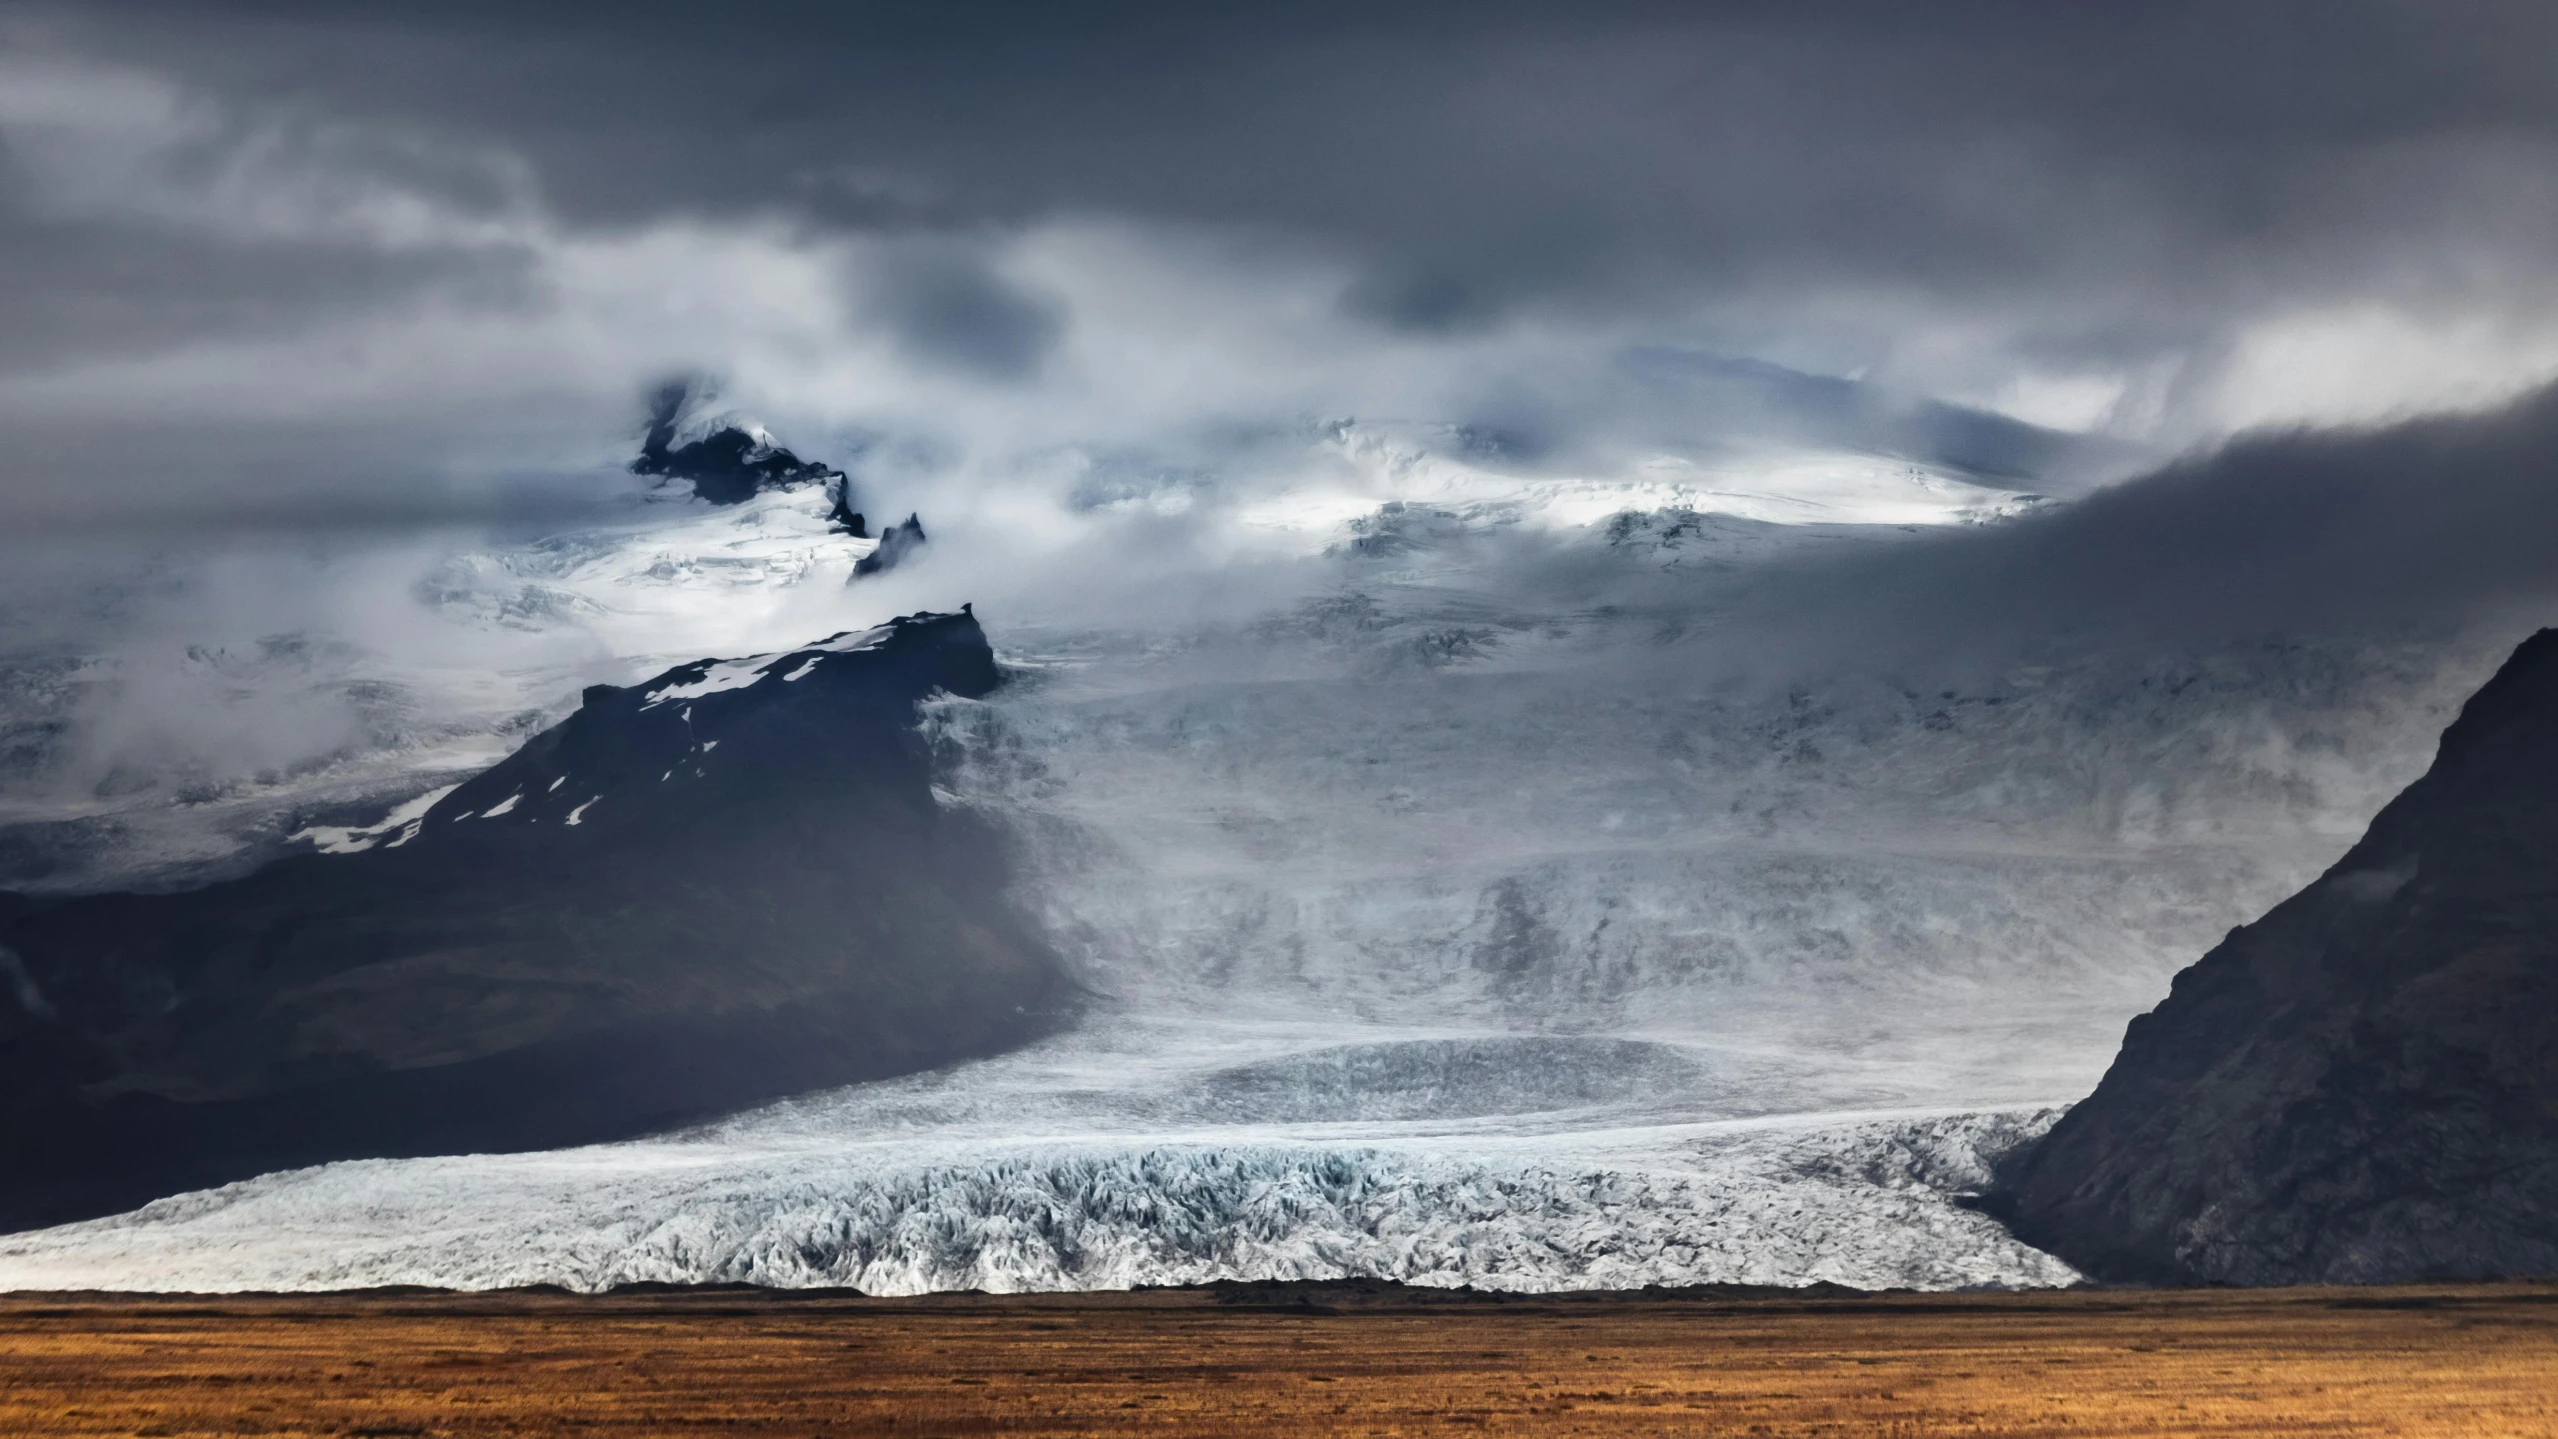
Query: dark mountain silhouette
x=727, y=884
x=2362, y=1086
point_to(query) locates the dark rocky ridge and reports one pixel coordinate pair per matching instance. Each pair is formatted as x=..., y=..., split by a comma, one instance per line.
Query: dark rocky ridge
x=895, y=544
x=725, y=885
x=2362, y=1086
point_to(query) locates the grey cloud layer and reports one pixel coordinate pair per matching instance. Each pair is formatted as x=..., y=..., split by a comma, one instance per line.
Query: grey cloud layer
x=2428, y=526
x=1485, y=156
x=421, y=252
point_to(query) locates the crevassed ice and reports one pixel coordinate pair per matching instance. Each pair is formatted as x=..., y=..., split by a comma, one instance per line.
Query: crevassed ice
x=1858, y=1204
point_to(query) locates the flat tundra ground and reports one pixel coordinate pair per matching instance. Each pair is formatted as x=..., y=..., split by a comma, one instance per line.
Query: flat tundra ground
x=1289, y=1360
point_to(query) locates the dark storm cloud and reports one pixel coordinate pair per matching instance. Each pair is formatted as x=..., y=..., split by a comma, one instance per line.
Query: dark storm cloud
x=2425, y=526
x=1693, y=395
x=948, y=308
x=165, y=480
x=1486, y=156
x=85, y=290
x=2103, y=187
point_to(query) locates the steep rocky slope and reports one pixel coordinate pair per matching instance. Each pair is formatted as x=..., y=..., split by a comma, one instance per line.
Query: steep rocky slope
x=2362, y=1085
x=725, y=884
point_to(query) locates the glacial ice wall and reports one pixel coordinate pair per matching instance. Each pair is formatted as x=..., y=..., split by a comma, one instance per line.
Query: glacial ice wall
x=1858, y=1204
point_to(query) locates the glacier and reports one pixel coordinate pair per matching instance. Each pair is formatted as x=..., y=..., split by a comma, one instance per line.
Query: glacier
x=1858, y=1203
x=1442, y=922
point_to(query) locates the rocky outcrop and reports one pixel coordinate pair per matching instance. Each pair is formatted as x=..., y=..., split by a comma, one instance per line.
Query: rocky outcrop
x=2363, y=1085
x=724, y=885
x=897, y=543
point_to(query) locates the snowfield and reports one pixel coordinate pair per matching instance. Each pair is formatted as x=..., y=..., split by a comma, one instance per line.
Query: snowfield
x=1441, y=924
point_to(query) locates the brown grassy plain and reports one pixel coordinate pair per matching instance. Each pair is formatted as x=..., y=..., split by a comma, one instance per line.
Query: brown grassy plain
x=2466, y=1360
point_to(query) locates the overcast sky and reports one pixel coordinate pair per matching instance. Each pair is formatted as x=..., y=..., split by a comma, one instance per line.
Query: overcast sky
x=283, y=263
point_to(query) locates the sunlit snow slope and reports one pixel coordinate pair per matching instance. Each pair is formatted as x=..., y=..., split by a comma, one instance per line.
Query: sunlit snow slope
x=1445, y=922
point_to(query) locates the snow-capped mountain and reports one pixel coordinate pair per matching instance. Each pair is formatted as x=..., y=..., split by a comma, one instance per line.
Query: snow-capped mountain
x=724, y=885
x=91, y=797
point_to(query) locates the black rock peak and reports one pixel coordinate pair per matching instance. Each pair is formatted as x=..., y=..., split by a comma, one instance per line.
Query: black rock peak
x=895, y=544
x=729, y=465
x=726, y=884
x=2362, y=1086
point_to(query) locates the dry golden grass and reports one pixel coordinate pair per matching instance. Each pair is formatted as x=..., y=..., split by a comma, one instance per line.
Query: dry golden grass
x=2466, y=1360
